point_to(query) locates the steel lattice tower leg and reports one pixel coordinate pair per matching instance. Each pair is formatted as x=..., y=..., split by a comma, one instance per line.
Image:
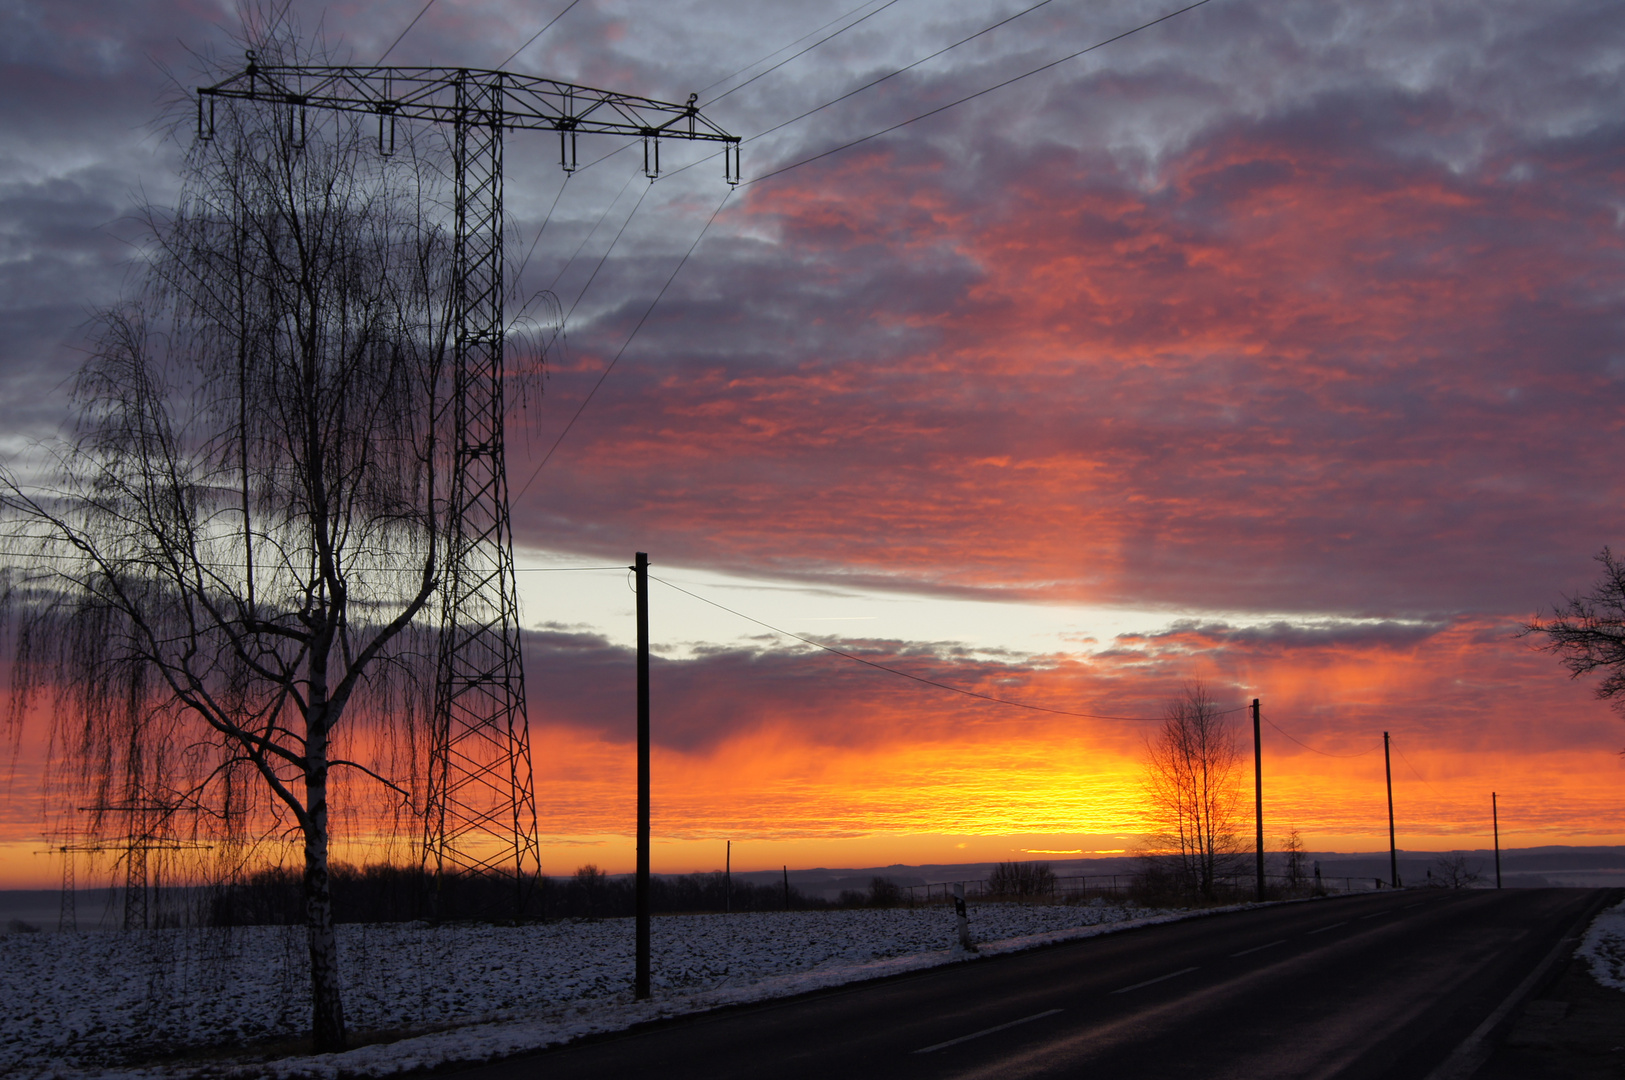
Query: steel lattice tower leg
x=481, y=802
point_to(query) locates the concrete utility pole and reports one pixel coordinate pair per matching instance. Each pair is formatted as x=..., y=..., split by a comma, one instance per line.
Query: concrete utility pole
x=1495, y=820
x=640, y=989
x=1393, y=852
x=1258, y=796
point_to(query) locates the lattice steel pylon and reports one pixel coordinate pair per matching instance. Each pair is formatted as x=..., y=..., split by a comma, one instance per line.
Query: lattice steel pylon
x=480, y=812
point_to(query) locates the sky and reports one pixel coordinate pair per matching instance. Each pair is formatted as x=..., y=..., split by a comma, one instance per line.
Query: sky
x=1276, y=346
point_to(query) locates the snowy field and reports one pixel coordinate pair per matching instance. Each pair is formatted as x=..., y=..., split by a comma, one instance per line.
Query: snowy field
x=95, y=1004
x=1604, y=947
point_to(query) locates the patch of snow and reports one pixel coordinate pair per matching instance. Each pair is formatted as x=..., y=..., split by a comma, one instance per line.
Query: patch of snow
x=89, y=1004
x=1604, y=947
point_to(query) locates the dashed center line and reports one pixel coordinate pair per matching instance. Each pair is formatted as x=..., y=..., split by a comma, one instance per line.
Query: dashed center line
x=1158, y=979
x=1407, y=907
x=1376, y=915
x=1257, y=948
x=986, y=1031
x=1333, y=926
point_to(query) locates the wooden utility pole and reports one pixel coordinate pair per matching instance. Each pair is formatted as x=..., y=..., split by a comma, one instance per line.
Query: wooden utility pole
x=641, y=985
x=728, y=879
x=1495, y=820
x=1258, y=796
x=787, y=887
x=1393, y=853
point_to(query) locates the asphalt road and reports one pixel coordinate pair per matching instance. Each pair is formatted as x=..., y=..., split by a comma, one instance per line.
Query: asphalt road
x=1383, y=985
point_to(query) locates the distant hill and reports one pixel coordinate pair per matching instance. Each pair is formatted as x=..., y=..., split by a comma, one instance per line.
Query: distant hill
x=1537, y=867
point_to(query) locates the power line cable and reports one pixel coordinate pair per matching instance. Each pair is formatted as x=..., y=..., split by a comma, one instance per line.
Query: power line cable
x=977, y=94
x=403, y=33
x=802, y=53
x=545, y=222
x=913, y=677
x=893, y=74
x=617, y=358
x=1414, y=773
x=1306, y=746
x=81, y=557
x=554, y=284
x=644, y=194
x=872, y=83
x=781, y=48
x=539, y=33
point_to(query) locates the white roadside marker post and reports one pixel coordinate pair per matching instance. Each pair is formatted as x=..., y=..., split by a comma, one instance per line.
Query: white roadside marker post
x=964, y=922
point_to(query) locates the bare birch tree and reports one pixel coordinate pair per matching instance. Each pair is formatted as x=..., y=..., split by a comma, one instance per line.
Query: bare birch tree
x=1193, y=787
x=233, y=555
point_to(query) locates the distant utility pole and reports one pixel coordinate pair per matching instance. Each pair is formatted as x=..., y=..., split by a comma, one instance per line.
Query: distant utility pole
x=1393, y=853
x=728, y=879
x=640, y=988
x=1495, y=819
x=787, y=887
x=1258, y=796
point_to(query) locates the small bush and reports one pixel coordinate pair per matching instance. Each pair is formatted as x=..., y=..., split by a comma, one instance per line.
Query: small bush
x=884, y=892
x=1018, y=880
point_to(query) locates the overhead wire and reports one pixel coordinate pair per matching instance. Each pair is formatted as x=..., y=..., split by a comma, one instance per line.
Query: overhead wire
x=401, y=36
x=1323, y=753
x=902, y=70
x=622, y=351
x=910, y=675
x=800, y=54
x=781, y=48
x=1414, y=773
x=602, y=259
x=546, y=220
x=532, y=39
x=980, y=93
x=83, y=557
x=870, y=84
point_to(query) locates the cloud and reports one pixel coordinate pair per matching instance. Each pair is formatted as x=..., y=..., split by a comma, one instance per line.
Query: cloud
x=1300, y=316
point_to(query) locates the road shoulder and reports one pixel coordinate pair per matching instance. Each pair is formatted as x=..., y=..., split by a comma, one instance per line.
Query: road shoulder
x=1571, y=1029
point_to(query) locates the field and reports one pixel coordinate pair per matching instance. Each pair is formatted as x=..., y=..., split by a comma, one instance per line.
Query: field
x=215, y=1002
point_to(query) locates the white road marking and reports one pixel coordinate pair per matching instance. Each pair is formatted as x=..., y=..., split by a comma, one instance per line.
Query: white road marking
x=1256, y=948
x=1158, y=979
x=1333, y=926
x=986, y=1031
x=1376, y=915
x=1407, y=907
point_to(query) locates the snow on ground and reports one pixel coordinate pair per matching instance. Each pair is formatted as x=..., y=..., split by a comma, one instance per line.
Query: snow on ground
x=1604, y=946
x=83, y=1004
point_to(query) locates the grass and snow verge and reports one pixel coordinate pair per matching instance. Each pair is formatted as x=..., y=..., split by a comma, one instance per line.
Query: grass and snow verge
x=1604, y=947
x=92, y=1003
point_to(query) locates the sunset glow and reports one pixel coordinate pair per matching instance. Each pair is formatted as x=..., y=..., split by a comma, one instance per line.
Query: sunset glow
x=1277, y=348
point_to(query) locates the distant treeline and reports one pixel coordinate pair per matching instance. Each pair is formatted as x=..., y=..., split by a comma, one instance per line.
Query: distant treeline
x=405, y=894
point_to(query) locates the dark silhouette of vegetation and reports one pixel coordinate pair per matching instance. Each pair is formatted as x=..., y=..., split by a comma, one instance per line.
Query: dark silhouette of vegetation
x=1453, y=872
x=884, y=892
x=1193, y=788
x=1292, y=850
x=1587, y=631
x=1021, y=880
x=238, y=556
x=399, y=894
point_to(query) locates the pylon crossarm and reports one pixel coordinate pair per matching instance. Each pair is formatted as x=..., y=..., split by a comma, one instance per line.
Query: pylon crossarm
x=525, y=102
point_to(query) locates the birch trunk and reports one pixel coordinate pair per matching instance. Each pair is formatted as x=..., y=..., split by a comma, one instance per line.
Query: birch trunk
x=326, y=991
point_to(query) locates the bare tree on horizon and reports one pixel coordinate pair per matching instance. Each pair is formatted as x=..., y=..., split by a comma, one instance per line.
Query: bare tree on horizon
x=1193, y=787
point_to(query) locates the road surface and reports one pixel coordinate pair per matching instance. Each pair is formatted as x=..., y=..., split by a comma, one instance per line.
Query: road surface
x=1381, y=985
